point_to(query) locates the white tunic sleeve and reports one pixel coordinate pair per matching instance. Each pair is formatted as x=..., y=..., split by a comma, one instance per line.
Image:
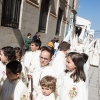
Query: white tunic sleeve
x=21, y=92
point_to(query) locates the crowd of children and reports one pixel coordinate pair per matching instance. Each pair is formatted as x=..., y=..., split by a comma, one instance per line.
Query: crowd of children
x=38, y=75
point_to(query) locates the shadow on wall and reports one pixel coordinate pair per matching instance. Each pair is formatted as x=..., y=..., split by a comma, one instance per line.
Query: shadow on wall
x=19, y=37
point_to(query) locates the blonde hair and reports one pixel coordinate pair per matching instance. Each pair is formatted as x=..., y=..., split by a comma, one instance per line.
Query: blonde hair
x=48, y=81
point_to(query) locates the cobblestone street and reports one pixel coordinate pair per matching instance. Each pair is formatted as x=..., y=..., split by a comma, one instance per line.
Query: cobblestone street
x=94, y=83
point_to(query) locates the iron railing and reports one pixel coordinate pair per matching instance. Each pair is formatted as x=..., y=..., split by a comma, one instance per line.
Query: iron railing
x=10, y=13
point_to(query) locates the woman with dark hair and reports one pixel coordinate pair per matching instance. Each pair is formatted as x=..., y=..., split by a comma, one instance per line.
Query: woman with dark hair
x=71, y=83
x=7, y=54
x=18, y=53
x=20, y=58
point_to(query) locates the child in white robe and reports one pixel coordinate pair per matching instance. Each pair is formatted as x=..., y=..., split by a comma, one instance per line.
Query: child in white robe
x=31, y=58
x=7, y=54
x=31, y=61
x=71, y=83
x=48, y=87
x=58, y=63
x=13, y=87
x=45, y=68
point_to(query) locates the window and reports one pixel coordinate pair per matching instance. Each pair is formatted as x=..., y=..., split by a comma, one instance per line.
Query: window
x=10, y=13
x=60, y=13
x=43, y=16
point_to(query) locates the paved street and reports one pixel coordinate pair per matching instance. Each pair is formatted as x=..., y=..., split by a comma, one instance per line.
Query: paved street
x=94, y=83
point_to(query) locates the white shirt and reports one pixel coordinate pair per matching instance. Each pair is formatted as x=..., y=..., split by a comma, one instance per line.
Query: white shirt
x=39, y=74
x=59, y=63
x=42, y=97
x=31, y=61
x=56, y=44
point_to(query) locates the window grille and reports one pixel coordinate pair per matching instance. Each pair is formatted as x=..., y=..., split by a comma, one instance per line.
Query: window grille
x=43, y=15
x=60, y=13
x=10, y=13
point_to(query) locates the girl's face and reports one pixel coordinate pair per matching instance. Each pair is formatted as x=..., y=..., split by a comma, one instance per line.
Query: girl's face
x=70, y=66
x=3, y=57
x=17, y=55
x=46, y=91
x=44, y=58
x=11, y=76
x=34, y=47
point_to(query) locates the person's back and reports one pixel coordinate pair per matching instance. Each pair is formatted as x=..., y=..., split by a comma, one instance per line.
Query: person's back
x=17, y=90
x=58, y=63
x=36, y=36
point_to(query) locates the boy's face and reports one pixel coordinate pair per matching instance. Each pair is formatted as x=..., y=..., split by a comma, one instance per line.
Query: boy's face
x=44, y=58
x=34, y=47
x=46, y=91
x=3, y=57
x=29, y=36
x=11, y=76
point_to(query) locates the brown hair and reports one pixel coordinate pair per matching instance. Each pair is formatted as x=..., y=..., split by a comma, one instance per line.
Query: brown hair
x=48, y=81
x=79, y=62
x=64, y=46
x=48, y=49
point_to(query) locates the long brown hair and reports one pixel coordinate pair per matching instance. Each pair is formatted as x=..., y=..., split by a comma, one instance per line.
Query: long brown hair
x=79, y=62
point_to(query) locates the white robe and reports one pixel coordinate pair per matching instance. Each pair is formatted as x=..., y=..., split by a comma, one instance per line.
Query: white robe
x=39, y=74
x=86, y=74
x=68, y=90
x=91, y=50
x=96, y=55
x=31, y=61
x=42, y=97
x=59, y=63
x=80, y=48
x=14, y=90
x=2, y=74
